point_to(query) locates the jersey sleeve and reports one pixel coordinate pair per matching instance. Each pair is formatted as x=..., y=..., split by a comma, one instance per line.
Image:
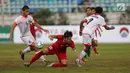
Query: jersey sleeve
x=102, y=22
x=17, y=21
x=72, y=45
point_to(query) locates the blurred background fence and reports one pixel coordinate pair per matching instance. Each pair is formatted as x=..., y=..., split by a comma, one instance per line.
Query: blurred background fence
x=72, y=11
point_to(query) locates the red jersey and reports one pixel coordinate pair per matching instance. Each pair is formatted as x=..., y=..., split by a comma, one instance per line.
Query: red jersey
x=32, y=28
x=61, y=45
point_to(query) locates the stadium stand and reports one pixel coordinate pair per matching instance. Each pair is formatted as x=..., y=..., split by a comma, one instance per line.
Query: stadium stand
x=62, y=5
x=109, y=6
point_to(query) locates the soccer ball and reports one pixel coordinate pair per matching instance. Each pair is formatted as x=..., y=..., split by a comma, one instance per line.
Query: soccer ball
x=39, y=44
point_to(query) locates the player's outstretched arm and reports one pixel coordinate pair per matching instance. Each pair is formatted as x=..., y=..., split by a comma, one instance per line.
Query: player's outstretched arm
x=12, y=30
x=82, y=26
x=109, y=28
x=38, y=26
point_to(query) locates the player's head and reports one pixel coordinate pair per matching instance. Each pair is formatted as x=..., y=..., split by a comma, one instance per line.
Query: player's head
x=99, y=10
x=93, y=10
x=25, y=10
x=67, y=36
x=88, y=11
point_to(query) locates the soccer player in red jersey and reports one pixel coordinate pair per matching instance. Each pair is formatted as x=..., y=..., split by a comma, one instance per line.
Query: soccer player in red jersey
x=58, y=48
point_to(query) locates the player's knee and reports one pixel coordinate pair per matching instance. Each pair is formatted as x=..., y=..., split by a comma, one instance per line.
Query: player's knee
x=95, y=43
x=63, y=61
x=87, y=48
x=45, y=51
x=31, y=47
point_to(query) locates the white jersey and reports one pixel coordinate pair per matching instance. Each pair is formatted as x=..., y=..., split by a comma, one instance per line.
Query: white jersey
x=93, y=23
x=24, y=24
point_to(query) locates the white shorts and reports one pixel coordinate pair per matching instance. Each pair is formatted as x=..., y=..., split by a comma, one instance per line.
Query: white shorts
x=87, y=39
x=28, y=39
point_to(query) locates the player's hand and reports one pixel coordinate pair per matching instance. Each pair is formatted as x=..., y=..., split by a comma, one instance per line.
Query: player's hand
x=10, y=37
x=47, y=31
x=112, y=27
x=80, y=33
x=51, y=37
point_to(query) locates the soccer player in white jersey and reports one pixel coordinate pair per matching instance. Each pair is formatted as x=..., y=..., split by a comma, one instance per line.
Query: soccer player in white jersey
x=97, y=32
x=90, y=11
x=87, y=29
x=23, y=22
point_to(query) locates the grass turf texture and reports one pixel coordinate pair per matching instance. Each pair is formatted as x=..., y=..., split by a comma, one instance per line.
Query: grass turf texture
x=114, y=58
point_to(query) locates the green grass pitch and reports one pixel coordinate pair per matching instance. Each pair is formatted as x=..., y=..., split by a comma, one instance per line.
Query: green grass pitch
x=114, y=58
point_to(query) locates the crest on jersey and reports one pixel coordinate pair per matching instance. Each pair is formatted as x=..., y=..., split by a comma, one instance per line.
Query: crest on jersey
x=124, y=32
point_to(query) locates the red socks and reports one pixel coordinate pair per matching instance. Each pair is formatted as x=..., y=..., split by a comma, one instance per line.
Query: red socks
x=95, y=50
x=36, y=57
x=59, y=65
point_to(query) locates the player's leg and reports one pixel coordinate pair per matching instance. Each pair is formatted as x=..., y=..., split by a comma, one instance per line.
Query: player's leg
x=31, y=42
x=62, y=60
x=42, y=57
x=26, y=50
x=87, y=43
x=38, y=55
x=63, y=63
x=36, y=51
x=27, y=40
x=94, y=46
x=86, y=51
x=47, y=51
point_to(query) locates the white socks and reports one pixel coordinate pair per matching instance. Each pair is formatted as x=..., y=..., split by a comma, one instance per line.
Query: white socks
x=42, y=58
x=26, y=50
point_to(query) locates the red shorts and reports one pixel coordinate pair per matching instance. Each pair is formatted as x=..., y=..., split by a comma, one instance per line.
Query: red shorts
x=53, y=50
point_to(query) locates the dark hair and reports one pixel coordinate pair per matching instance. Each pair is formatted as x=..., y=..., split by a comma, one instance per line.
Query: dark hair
x=99, y=10
x=87, y=8
x=24, y=8
x=68, y=34
x=92, y=8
